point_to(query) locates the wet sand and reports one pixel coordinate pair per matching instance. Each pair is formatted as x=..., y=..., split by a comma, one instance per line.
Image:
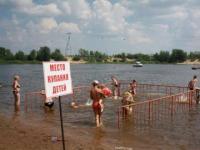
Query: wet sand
x=31, y=136
x=18, y=135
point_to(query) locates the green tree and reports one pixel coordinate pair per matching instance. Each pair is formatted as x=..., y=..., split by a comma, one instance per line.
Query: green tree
x=123, y=57
x=76, y=58
x=130, y=56
x=142, y=57
x=6, y=54
x=32, y=55
x=163, y=56
x=20, y=55
x=178, y=55
x=44, y=54
x=56, y=55
x=84, y=54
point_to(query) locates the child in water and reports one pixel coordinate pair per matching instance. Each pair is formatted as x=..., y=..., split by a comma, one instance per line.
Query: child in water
x=127, y=100
x=48, y=101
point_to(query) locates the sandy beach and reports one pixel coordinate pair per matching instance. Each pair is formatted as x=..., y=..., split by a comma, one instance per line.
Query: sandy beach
x=29, y=136
x=190, y=62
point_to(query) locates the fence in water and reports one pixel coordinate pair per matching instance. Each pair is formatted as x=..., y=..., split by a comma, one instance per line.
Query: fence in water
x=176, y=100
x=153, y=102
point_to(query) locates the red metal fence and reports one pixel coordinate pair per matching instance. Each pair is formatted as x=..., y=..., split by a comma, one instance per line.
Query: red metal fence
x=153, y=102
x=81, y=93
x=157, y=109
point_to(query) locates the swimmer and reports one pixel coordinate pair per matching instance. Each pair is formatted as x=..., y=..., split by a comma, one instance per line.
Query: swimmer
x=48, y=101
x=127, y=99
x=74, y=105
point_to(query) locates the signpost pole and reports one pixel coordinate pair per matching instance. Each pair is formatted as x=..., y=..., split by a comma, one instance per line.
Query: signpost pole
x=61, y=123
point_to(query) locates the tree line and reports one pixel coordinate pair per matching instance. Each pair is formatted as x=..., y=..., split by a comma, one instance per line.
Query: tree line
x=175, y=56
x=45, y=54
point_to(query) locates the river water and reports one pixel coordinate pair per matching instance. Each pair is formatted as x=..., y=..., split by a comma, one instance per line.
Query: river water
x=179, y=133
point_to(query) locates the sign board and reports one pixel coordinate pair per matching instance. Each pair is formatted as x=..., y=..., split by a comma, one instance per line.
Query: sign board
x=57, y=78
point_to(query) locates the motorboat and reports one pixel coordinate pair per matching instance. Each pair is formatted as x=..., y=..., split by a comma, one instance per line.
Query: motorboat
x=194, y=67
x=138, y=64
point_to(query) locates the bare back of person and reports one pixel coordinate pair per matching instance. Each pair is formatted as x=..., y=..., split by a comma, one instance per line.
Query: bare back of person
x=95, y=96
x=97, y=105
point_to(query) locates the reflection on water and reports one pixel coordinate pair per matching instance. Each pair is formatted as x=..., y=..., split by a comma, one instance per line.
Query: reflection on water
x=180, y=132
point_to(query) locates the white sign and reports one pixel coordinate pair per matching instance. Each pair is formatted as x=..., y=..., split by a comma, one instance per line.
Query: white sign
x=57, y=78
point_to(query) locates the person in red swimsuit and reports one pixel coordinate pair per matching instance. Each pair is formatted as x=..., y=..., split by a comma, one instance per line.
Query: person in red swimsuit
x=97, y=105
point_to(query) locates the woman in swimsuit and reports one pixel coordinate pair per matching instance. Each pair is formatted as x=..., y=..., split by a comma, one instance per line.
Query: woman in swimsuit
x=16, y=90
x=97, y=105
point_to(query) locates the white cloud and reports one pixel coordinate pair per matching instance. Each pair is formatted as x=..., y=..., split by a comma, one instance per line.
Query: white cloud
x=110, y=17
x=28, y=7
x=51, y=26
x=135, y=35
x=47, y=24
x=195, y=13
x=144, y=1
x=66, y=7
x=15, y=20
x=77, y=8
x=68, y=27
x=49, y=9
x=21, y=3
x=175, y=13
x=139, y=23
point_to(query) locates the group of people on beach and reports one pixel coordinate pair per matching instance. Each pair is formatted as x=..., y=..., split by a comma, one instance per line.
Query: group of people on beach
x=99, y=92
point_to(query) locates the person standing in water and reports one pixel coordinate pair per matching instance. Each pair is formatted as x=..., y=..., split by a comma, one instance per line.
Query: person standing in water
x=16, y=90
x=133, y=86
x=192, y=83
x=192, y=86
x=115, y=87
x=97, y=105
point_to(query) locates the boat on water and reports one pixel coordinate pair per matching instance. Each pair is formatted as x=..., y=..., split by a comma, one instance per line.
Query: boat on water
x=138, y=64
x=194, y=67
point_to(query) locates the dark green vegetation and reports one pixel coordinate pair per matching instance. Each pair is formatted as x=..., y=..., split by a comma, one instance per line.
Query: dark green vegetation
x=35, y=56
x=45, y=54
x=175, y=56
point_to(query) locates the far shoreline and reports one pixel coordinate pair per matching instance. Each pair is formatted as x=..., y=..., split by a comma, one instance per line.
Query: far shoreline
x=187, y=62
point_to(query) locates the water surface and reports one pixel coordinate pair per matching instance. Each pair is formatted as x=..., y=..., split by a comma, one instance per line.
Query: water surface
x=181, y=132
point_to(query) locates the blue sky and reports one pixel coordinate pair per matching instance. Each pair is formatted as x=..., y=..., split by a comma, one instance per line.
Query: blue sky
x=110, y=26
